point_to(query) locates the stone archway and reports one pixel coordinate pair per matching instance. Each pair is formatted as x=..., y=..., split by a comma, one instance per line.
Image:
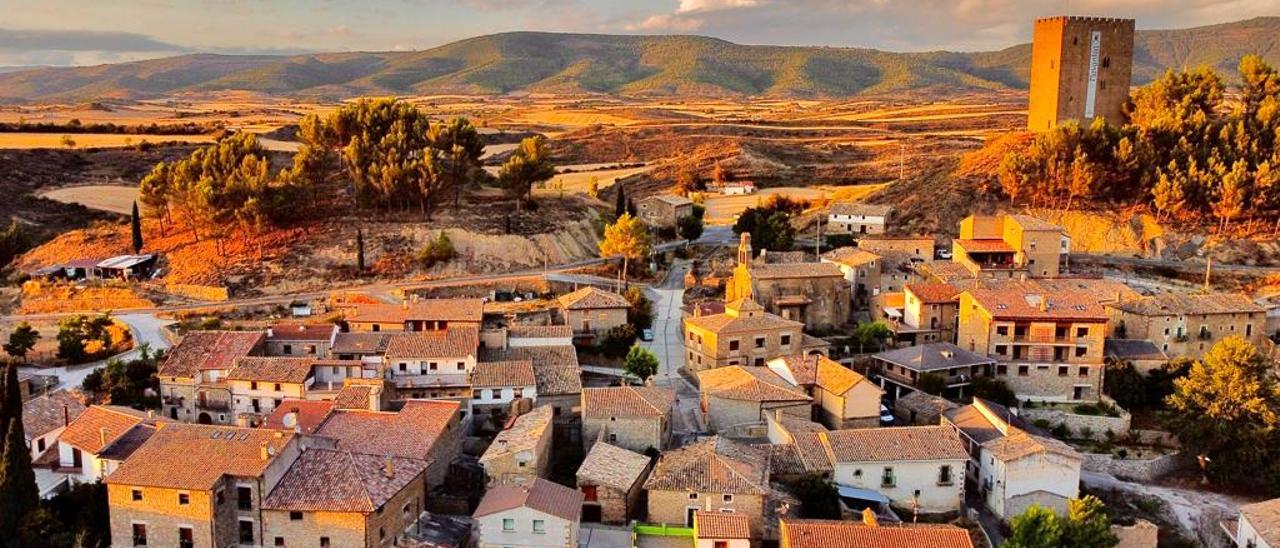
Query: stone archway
x=204, y=418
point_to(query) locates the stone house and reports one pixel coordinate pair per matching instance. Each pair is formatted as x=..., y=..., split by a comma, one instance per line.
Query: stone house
x=714, y=475
x=540, y=515
x=1187, y=325
x=861, y=269
x=427, y=430
x=815, y=294
x=300, y=339
x=45, y=416
x=257, y=385
x=721, y=530
x=929, y=314
x=664, y=210
x=539, y=335
x=842, y=398
x=632, y=417
x=743, y=335
x=901, y=370
x=611, y=480
x=415, y=315
x=433, y=364
x=1013, y=467
x=812, y=533
x=1047, y=345
x=591, y=310
x=1257, y=527
x=366, y=347
x=736, y=399
x=520, y=453
x=494, y=385
x=1009, y=246
x=91, y=447
x=921, y=409
x=857, y=218
x=920, y=247
x=558, y=379
x=193, y=385
x=921, y=464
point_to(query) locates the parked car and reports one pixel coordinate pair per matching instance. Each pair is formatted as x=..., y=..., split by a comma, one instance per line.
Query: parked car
x=943, y=254
x=646, y=335
x=886, y=416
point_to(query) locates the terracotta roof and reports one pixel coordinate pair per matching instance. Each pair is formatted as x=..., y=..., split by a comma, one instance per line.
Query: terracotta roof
x=1264, y=517
x=194, y=456
x=977, y=425
x=627, y=401
x=925, y=404
x=558, y=380
x=905, y=443
x=308, y=415
x=100, y=425
x=589, y=298
x=283, y=370
x=1178, y=304
x=795, y=270
x=749, y=383
x=1019, y=443
x=713, y=465
x=449, y=310
x=893, y=300
x=454, y=342
x=784, y=459
x=325, y=480
x=851, y=534
x=296, y=331
x=48, y=412
x=353, y=396
x=523, y=434
x=555, y=368
x=359, y=343
x=933, y=357
x=719, y=525
x=1106, y=291
x=932, y=293
x=985, y=246
x=1028, y=222
x=813, y=451
x=543, y=496
x=205, y=350
x=412, y=432
x=540, y=331
x=731, y=322
x=1029, y=302
x=947, y=271
x=497, y=374
x=859, y=208
x=850, y=256
x=612, y=466
x=819, y=370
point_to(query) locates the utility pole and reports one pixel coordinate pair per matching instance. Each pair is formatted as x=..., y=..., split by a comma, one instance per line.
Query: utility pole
x=817, y=243
x=902, y=160
x=1208, y=270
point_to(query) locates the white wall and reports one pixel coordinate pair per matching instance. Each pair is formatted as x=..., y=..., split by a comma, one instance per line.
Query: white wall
x=558, y=532
x=733, y=543
x=444, y=366
x=495, y=396
x=910, y=476
x=1246, y=533
x=91, y=470
x=1045, y=472
x=50, y=440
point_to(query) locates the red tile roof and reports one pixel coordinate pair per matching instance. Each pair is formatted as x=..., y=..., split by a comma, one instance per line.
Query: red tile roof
x=274, y=369
x=713, y=465
x=749, y=383
x=100, y=425
x=932, y=293
x=543, y=496
x=307, y=415
x=449, y=310
x=498, y=374
x=719, y=525
x=906, y=443
x=455, y=342
x=849, y=534
x=324, y=480
x=1029, y=302
x=590, y=298
x=627, y=401
x=49, y=412
x=412, y=432
x=295, y=331
x=195, y=456
x=205, y=350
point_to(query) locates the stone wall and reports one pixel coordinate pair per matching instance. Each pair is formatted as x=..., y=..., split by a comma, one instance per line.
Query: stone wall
x=1097, y=424
x=1144, y=470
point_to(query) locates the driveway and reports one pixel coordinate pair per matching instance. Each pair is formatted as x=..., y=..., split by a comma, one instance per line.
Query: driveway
x=147, y=329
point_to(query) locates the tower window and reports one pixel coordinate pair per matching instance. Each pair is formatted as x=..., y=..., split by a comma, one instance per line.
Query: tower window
x=1106, y=62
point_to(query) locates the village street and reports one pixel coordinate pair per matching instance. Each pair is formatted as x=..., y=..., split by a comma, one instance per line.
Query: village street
x=668, y=346
x=147, y=330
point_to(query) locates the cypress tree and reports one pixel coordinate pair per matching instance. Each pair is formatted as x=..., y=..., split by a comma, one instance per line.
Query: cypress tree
x=5, y=412
x=360, y=250
x=136, y=223
x=620, y=204
x=18, y=492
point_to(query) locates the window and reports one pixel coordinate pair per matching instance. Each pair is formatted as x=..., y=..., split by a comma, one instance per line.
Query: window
x=733, y=346
x=944, y=475
x=1002, y=370
x=1023, y=370
x=295, y=516
x=508, y=524
x=1002, y=349
x=1082, y=332
x=277, y=387
x=40, y=445
x=693, y=496
x=324, y=542
x=246, y=532
x=721, y=544
x=786, y=340
x=728, y=498
x=887, y=480
x=217, y=496
x=1002, y=330
x=139, y=534
x=1081, y=351
x=244, y=498
x=279, y=541
x=186, y=538
x=253, y=385
x=184, y=499
x=288, y=349
x=1062, y=370
x=1084, y=371
x=136, y=495
x=613, y=437
x=589, y=493
x=462, y=366
x=759, y=342
x=539, y=526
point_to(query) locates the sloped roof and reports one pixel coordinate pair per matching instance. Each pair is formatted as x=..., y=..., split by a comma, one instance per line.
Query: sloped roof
x=713, y=465
x=850, y=256
x=1175, y=304
x=977, y=425
x=308, y=415
x=859, y=208
x=1019, y=443
x=87, y=432
x=207, y=350
x=498, y=374
x=669, y=199
x=749, y=383
x=803, y=533
x=542, y=495
x=731, y=322
x=360, y=343
x=412, y=432
x=905, y=443
x=523, y=435
x=985, y=246
x=539, y=331
x=449, y=310
x=1133, y=349
x=196, y=456
x=555, y=368
x=775, y=271
x=1028, y=222
x=719, y=525
x=124, y=446
x=933, y=357
x=612, y=466
x=340, y=481
x=934, y=292
x=353, y=396
x=273, y=369
x=1265, y=519
x=48, y=412
x=298, y=331
x=590, y=298
x=627, y=401
x=1031, y=302
x=817, y=369
x=454, y=342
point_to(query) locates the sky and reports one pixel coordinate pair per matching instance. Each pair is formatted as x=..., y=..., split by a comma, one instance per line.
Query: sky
x=86, y=32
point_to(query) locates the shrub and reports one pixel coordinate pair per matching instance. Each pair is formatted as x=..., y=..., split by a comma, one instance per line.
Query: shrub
x=617, y=341
x=1042, y=424
x=438, y=251
x=1086, y=432
x=1061, y=431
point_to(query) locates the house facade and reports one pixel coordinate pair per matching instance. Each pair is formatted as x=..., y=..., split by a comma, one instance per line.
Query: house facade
x=520, y=453
x=745, y=334
x=712, y=475
x=664, y=210
x=540, y=515
x=591, y=310
x=611, y=480
x=1187, y=325
x=632, y=417
x=921, y=465
x=1008, y=246
x=857, y=218
x=842, y=398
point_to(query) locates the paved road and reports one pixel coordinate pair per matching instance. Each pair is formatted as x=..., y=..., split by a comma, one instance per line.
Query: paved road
x=1179, y=265
x=147, y=330
x=668, y=346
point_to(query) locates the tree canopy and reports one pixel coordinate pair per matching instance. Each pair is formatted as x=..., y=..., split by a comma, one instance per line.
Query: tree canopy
x=530, y=164
x=627, y=237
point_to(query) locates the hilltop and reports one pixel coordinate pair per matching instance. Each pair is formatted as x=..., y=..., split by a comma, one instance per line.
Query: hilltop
x=535, y=62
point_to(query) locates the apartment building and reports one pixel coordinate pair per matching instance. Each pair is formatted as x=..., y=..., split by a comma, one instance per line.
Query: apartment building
x=744, y=334
x=901, y=370
x=1010, y=246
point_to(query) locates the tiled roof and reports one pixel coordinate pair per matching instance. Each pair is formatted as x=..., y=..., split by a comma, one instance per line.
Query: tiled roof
x=412, y=432
x=449, y=310
x=795, y=270
x=360, y=343
x=194, y=456
x=205, y=350
x=543, y=496
x=713, y=465
x=1030, y=302
x=498, y=374
x=749, y=383
x=813, y=451
x=670, y=199
x=454, y=342
x=539, y=331
x=850, y=256
x=46, y=413
x=933, y=292
x=627, y=401
x=274, y=369
x=819, y=370
x=719, y=525
x=1265, y=519
x=906, y=443
x=353, y=396
x=925, y=404
x=977, y=425
x=295, y=331
x=307, y=415
x=1106, y=291
x=729, y=323
x=1018, y=444
x=88, y=431
x=589, y=298
x=932, y=357
x=784, y=459
x=523, y=435
x=947, y=271
x=325, y=480
x=1177, y=304
x=859, y=208
x=1133, y=349
x=555, y=368
x=985, y=246
x=558, y=380
x=850, y=534
x=1028, y=222
x=612, y=466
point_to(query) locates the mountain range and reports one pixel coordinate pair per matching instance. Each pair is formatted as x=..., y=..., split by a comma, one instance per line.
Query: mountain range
x=539, y=62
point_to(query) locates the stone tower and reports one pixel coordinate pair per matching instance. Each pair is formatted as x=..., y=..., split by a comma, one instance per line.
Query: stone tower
x=744, y=249
x=1081, y=68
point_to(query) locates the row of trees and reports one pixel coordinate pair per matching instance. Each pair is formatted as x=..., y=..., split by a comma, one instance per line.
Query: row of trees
x=1184, y=151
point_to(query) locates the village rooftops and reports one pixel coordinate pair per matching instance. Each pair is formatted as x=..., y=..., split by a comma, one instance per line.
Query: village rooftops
x=1265, y=518
x=301, y=332
x=411, y=432
x=48, y=412
x=1029, y=302
x=500, y=374
x=985, y=246
x=713, y=465
x=304, y=416
x=522, y=435
x=455, y=342
x=742, y=316
x=1185, y=304
x=777, y=271
x=554, y=367
x=272, y=370
x=719, y=525
x=325, y=480
x=817, y=370
x=803, y=533
x=208, y=350
x=592, y=298
x=543, y=496
x=540, y=332
x=99, y=426
x=626, y=401
x=360, y=343
x=850, y=256
x=446, y=310
x=612, y=466
x=947, y=272
x=748, y=383
x=1019, y=443
x=860, y=209
x=192, y=456
x=933, y=357
x=933, y=292
x=904, y=443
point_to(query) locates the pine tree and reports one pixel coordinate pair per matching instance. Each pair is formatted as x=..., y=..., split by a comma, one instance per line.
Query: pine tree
x=18, y=492
x=360, y=250
x=135, y=222
x=620, y=203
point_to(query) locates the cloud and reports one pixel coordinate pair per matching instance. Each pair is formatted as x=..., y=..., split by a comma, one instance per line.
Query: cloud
x=691, y=6
x=28, y=40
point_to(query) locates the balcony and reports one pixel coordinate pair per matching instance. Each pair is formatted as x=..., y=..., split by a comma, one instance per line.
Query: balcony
x=213, y=405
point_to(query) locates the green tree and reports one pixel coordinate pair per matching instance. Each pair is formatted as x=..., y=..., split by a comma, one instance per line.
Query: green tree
x=932, y=383
x=1125, y=384
x=615, y=342
x=135, y=225
x=994, y=390
x=690, y=227
x=640, y=362
x=360, y=250
x=440, y=250
x=640, y=309
x=460, y=148
x=1088, y=525
x=628, y=238
x=18, y=493
x=1037, y=527
x=528, y=165
x=871, y=335
x=21, y=340
x=818, y=497
x=71, y=339
x=769, y=224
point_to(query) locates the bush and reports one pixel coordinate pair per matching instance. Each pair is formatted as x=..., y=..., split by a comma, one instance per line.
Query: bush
x=1061, y=431
x=1042, y=424
x=994, y=390
x=438, y=251
x=617, y=341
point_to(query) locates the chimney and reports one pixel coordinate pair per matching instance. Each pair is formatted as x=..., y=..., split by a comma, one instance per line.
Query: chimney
x=271, y=332
x=102, y=436
x=390, y=470
x=869, y=518
x=1044, y=303
x=151, y=413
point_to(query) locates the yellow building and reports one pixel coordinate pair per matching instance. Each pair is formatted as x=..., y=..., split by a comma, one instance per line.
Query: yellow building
x=1010, y=246
x=743, y=335
x=1081, y=68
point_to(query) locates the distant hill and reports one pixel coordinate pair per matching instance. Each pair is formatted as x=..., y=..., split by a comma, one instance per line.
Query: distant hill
x=631, y=65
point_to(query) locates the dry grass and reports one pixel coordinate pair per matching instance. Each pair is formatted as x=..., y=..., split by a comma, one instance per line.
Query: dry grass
x=91, y=140
x=45, y=298
x=113, y=198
